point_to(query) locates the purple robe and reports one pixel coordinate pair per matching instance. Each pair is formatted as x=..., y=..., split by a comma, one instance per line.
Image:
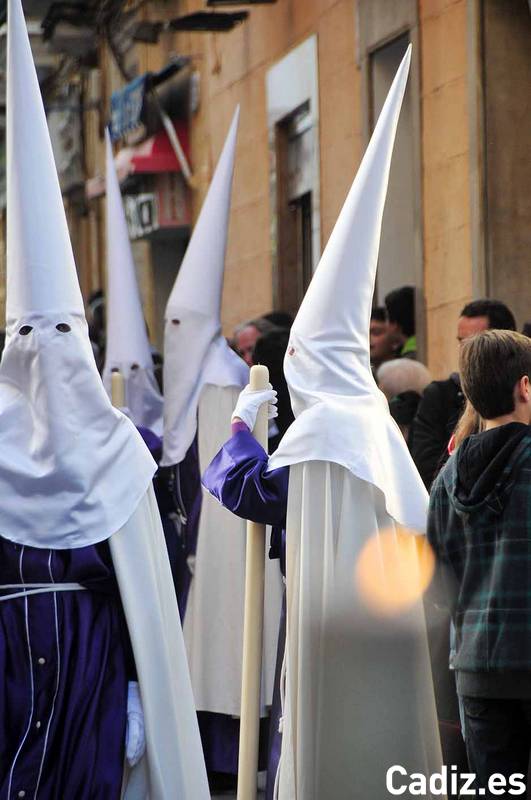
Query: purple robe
x=65, y=661
x=152, y=441
x=237, y=478
x=178, y=493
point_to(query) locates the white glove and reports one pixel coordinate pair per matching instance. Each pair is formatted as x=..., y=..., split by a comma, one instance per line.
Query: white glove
x=135, y=737
x=250, y=402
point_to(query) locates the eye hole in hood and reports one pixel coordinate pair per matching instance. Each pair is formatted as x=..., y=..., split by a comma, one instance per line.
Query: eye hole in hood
x=62, y=327
x=25, y=330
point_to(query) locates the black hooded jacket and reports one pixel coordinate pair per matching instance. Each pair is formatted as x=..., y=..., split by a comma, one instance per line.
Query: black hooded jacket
x=479, y=525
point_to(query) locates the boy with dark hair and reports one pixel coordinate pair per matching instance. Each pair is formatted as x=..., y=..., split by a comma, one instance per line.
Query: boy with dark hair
x=437, y=416
x=479, y=525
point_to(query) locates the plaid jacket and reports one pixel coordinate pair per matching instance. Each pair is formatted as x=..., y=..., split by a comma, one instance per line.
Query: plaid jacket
x=484, y=565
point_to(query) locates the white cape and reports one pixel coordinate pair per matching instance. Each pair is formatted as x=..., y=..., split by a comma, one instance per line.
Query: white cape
x=359, y=695
x=195, y=351
x=354, y=430
x=195, y=342
x=64, y=450
x=128, y=349
x=213, y=624
x=173, y=766
x=340, y=414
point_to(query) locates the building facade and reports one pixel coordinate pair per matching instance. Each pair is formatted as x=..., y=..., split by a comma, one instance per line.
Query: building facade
x=310, y=77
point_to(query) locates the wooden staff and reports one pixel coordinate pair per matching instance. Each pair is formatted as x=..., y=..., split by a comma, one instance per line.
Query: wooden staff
x=253, y=625
x=117, y=389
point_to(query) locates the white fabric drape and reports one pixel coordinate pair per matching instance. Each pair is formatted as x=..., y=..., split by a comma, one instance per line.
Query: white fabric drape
x=41, y=272
x=213, y=624
x=64, y=451
x=72, y=468
x=127, y=346
x=173, y=766
x=195, y=354
x=195, y=351
x=359, y=695
x=340, y=414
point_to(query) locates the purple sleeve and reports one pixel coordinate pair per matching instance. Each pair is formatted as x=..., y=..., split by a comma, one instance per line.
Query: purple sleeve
x=237, y=478
x=238, y=426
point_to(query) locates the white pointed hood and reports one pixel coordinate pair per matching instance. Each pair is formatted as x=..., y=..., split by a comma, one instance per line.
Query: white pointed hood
x=127, y=345
x=72, y=469
x=340, y=414
x=195, y=352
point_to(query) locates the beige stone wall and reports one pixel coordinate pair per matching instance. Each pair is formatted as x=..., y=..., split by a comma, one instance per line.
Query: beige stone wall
x=233, y=70
x=507, y=101
x=446, y=170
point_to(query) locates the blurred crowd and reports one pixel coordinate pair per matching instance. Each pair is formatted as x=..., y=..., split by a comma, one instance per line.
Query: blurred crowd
x=427, y=411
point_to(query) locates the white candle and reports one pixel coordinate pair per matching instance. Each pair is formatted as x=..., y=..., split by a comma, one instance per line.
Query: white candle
x=117, y=389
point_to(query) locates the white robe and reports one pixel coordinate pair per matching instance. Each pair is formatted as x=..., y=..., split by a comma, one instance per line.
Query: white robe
x=173, y=766
x=359, y=696
x=213, y=623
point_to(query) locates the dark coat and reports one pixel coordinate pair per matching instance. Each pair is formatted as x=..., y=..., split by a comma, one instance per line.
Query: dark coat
x=438, y=413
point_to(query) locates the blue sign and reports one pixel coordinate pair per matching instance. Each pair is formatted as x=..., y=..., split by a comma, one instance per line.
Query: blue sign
x=126, y=107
